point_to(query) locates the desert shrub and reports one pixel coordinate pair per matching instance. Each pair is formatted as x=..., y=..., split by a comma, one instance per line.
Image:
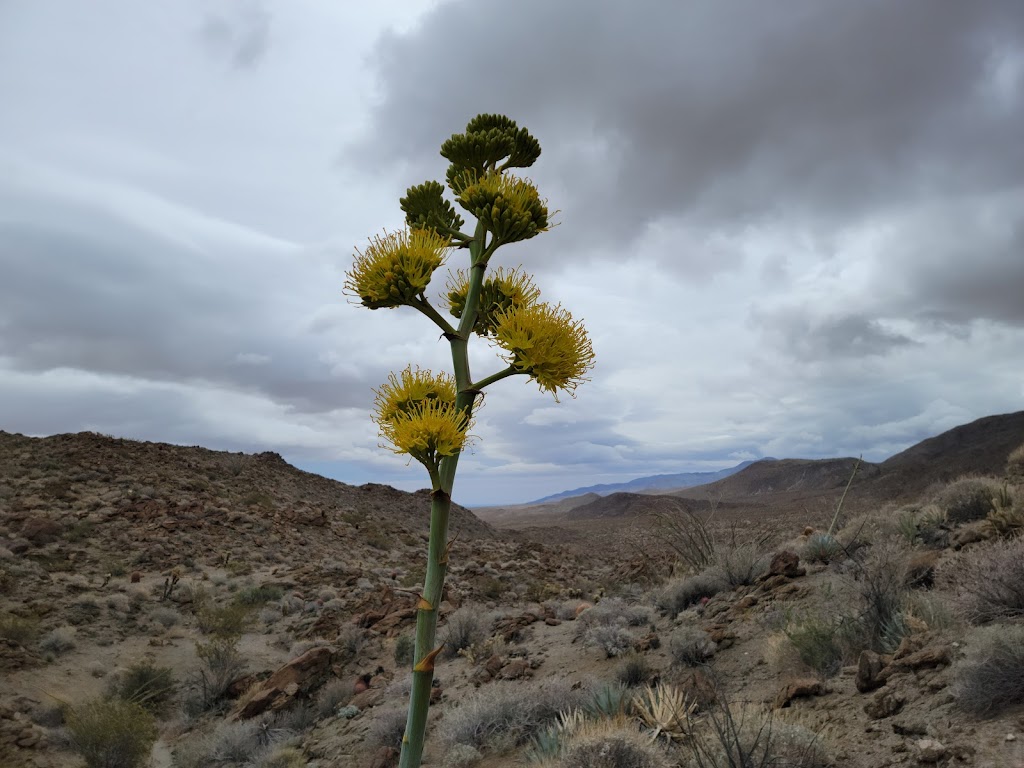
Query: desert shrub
x=991, y=677
x=145, y=684
x=119, y=603
x=270, y=614
x=19, y=630
x=690, y=647
x=988, y=581
x=235, y=742
x=822, y=548
x=462, y=756
x=59, y=640
x=387, y=728
x=282, y=757
x=751, y=737
x=220, y=665
x=331, y=696
x=741, y=564
x=405, y=647
x=614, y=611
x=967, y=499
x=679, y=595
x=257, y=596
x=350, y=641
x=1007, y=517
x=229, y=620
x=634, y=670
x=687, y=534
x=817, y=642
x=613, y=639
x=111, y=733
x=1015, y=463
x=506, y=715
x=464, y=628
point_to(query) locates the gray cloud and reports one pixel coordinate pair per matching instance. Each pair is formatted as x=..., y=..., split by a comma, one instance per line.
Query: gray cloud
x=718, y=113
x=239, y=31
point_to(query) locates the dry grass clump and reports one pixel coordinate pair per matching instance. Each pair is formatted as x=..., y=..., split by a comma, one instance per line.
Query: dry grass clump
x=967, y=499
x=613, y=743
x=1015, y=463
x=111, y=733
x=613, y=639
x=988, y=581
x=680, y=594
x=690, y=647
x=751, y=737
x=742, y=563
x=634, y=670
x=464, y=629
x=506, y=715
x=387, y=728
x=991, y=677
x=145, y=684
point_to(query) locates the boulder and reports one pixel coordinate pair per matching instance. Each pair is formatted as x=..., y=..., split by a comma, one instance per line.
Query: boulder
x=295, y=679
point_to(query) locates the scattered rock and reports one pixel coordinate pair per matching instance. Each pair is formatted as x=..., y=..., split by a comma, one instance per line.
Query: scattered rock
x=884, y=704
x=929, y=750
x=786, y=564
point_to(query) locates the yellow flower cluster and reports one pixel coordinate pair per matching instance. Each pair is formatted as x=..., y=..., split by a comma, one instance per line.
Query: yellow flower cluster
x=396, y=268
x=545, y=342
x=416, y=413
x=509, y=207
x=499, y=292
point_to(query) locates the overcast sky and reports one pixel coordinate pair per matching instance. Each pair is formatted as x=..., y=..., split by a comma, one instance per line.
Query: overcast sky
x=793, y=229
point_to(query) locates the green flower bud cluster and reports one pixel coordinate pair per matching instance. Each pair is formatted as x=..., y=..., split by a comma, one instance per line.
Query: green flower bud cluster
x=488, y=140
x=426, y=208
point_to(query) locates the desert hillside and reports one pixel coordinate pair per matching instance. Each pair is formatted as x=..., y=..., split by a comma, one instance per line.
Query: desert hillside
x=181, y=607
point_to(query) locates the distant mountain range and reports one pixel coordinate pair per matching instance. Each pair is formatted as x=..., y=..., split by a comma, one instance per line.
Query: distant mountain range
x=650, y=483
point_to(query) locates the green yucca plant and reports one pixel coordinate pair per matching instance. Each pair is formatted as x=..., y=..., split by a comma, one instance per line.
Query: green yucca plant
x=428, y=415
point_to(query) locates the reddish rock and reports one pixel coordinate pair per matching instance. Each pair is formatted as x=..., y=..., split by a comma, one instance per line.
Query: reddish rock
x=786, y=564
x=296, y=678
x=516, y=669
x=869, y=672
x=385, y=757
x=698, y=688
x=136, y=577
x=807, y=686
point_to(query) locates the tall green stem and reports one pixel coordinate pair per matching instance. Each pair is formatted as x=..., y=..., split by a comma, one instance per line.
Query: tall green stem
x=440, y=509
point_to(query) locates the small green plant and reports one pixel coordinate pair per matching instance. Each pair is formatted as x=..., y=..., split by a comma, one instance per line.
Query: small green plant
x=255, y=597
x=428, y=416
x=220, y=665
x=816, y=640
x=111, y=733
x=609, y=700
x=822, y=548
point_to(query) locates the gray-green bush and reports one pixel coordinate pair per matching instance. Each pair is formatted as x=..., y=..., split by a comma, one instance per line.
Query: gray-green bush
x=991, y=677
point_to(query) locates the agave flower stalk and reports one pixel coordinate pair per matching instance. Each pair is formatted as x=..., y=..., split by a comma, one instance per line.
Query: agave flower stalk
x=428, y=416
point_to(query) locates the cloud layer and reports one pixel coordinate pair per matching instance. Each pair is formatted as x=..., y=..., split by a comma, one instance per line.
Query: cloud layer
x=795, y=232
